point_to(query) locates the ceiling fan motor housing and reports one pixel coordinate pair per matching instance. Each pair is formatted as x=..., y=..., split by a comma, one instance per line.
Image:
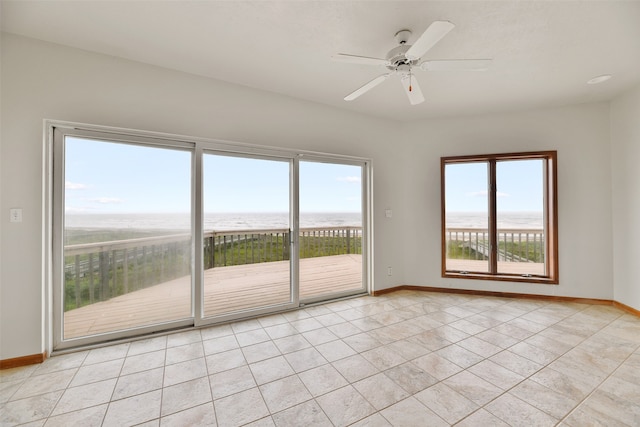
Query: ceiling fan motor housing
x=397, y=58
x=399, y=63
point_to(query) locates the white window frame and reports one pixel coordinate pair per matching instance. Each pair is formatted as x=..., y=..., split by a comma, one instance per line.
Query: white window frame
x=53, y=211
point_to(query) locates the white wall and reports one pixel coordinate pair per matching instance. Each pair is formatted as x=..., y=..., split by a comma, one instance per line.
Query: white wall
x=625, y=144
x=41, y=80
x=580, y=134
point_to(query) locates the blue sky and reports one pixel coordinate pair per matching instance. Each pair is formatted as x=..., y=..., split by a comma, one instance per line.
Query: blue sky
x=103, y=177
x=519, y=189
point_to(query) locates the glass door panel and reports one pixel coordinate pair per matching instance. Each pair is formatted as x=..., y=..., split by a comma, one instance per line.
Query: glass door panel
x=467, y=217
x=126, y=227
x=520, y=217
x=331, y=230
x=247, y=245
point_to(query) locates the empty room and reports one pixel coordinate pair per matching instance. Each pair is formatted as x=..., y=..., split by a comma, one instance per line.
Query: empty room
x=323, y=213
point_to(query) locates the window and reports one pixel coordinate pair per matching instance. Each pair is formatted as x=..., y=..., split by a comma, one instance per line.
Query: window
x=152, y=232
x=499, y=217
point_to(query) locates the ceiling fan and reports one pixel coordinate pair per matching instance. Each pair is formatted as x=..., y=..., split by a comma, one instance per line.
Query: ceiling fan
x=402, y=59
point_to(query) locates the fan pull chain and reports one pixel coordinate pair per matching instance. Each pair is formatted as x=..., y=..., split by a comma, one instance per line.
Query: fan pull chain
x=410, y=76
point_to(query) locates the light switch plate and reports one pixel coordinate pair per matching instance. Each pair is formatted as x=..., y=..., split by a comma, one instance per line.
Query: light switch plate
x=388, y=213
x=15, y=215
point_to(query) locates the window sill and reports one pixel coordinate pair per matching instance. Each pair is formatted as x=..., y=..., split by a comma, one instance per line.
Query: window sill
x=500, y=277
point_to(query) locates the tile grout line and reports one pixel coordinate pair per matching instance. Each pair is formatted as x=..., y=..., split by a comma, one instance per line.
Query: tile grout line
x=558, y=357
x=209, y=374
x=596, y=388
x=524, y=378
x=396, y=306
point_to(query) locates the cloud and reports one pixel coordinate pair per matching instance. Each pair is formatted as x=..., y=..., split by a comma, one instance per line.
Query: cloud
x=485, y=193
x=354, y=179
x=74, y=186
x=106, y=200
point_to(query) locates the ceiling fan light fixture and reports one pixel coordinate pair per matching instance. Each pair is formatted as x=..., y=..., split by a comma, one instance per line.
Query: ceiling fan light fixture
x=599, y=79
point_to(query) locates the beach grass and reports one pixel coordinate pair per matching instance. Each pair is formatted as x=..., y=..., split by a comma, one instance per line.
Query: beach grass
x=99, y=276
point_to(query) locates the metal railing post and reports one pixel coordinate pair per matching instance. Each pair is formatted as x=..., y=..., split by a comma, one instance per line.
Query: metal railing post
x=91, y=278
x=77, y=287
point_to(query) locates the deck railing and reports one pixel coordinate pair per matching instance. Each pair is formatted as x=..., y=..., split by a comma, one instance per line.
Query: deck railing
x=514, y=245
x=225, y=248
x=99, y=271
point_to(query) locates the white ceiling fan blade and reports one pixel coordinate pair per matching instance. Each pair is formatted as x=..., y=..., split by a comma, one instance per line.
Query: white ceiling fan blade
x=373, y=83
x=432, y=35
x=412, y=89
x=456, y=65
x=357, y=59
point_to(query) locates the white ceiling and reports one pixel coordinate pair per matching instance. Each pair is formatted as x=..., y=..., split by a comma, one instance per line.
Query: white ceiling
x=543, y=51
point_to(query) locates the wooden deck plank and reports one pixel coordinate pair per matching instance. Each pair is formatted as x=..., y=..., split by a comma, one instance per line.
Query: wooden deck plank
x=226, y=289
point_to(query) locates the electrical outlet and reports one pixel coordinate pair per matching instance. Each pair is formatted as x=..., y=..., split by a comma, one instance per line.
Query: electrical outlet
x=389, y=271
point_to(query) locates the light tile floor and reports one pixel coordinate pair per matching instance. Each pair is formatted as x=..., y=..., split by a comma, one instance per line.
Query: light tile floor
x=403, y=359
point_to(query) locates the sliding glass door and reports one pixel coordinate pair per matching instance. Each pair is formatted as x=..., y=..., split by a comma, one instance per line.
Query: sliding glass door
x=151, y=233
x=247, y=243
x=124, y=252
x=331, y=230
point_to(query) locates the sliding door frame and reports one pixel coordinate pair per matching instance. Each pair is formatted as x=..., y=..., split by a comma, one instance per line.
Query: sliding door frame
x=365, y=189
x=53, y=217
x=200, y=316
x=59, y=133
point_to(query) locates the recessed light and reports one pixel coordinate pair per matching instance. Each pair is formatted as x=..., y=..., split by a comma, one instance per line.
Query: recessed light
x=599, y=79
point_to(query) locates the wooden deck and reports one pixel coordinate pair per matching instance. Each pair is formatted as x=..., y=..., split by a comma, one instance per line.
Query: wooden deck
x=226, y=290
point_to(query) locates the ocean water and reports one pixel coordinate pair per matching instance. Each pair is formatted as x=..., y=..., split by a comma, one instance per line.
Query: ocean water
x=212, y=221
x=520, y=220
x=253, y=221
